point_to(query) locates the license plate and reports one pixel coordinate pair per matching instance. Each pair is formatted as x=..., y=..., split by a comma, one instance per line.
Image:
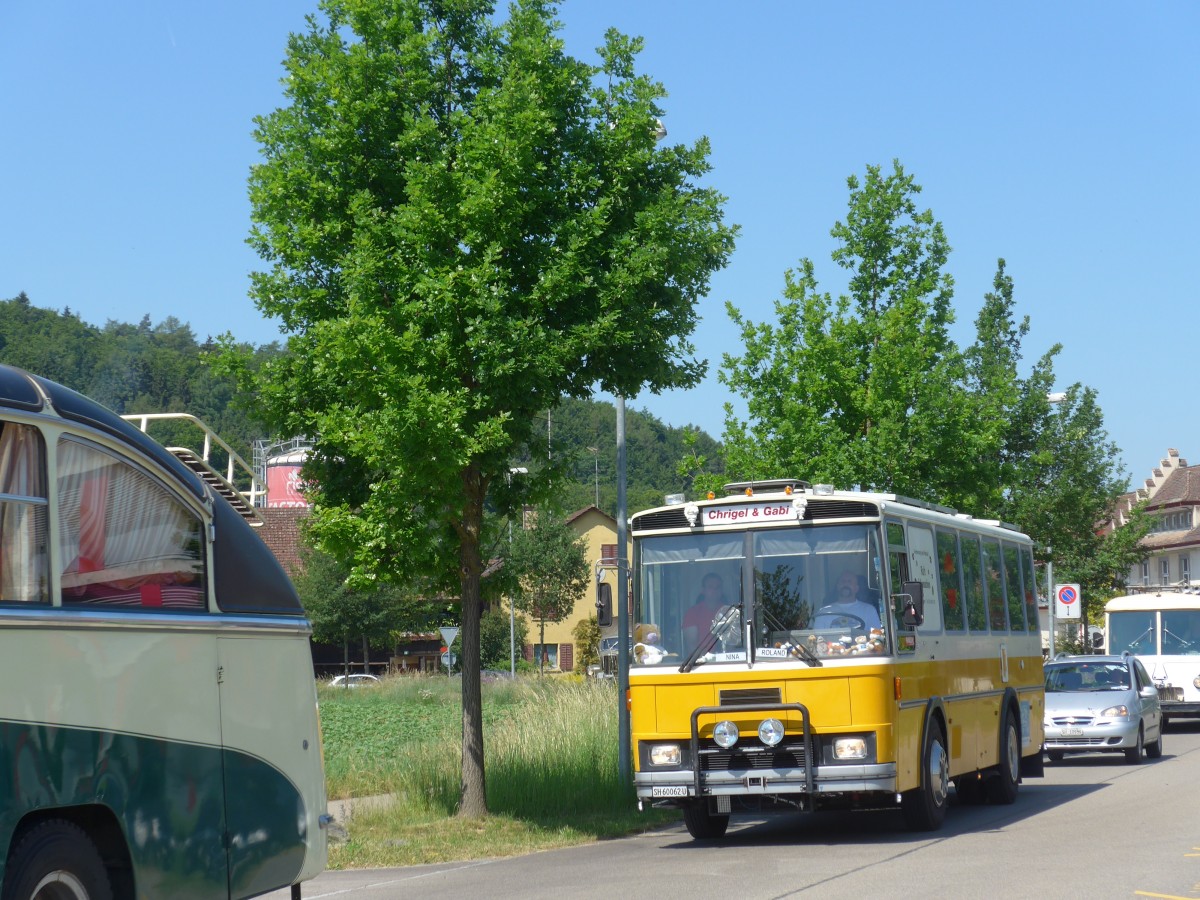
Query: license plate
x=669, y=790
x=1072, y=732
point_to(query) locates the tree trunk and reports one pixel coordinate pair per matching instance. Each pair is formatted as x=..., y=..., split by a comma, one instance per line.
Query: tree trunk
x=366, y=655
x=346, y=661
x=542, y=638
x=473, y=800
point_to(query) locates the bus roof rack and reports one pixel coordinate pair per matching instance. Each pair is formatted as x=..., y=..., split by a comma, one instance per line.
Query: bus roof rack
x=774, y=486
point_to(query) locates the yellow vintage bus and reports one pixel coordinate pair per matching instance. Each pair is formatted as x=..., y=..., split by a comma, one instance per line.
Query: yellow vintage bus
x=798, y=647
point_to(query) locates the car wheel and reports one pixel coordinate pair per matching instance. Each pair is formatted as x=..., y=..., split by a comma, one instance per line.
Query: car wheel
x=1002, y=787
x=1165, y=723
x=703, y=825
x=1133, y=754
x=1154, y=749
x=56, y=859
x=1054, y=755
x=924, y=807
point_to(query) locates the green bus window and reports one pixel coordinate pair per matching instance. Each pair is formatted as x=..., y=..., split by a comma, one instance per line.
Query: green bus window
x=1012, y=581
x=24, y=516
x=948, y=572
x=993, y=581
x=126, y=541
x=972, y=575
x=1032, y=623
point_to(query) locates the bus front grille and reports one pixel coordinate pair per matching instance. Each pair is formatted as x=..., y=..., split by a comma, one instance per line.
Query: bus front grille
x=750, y=696
x=738, y=759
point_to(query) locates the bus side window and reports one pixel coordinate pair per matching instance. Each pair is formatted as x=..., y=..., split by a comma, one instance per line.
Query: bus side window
x=1012, y=583
x=972, y=573
x=126, y=541
x=24, y=516
x=897, y=561
x=993, y=580
x=922, y=564
x=948, y=577
x=1032, y=623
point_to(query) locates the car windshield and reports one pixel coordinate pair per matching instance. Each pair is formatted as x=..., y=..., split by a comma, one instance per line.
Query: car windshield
x=1086, y=677
x=800, y=594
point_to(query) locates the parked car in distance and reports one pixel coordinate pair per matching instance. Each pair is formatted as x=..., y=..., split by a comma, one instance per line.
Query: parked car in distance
x=1101, y=703
x=354, y=681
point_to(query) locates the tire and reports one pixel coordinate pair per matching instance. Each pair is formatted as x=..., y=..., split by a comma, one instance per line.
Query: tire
x=1054, y=755
x=924, y=807
x=1135, y=754
x=703, y=825
x=56, y=861
x=969, y=789
x=1002, y=786
x=1154, y=750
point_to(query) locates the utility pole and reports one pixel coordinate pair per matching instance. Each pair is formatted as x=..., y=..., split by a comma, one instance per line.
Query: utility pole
x=624, y=763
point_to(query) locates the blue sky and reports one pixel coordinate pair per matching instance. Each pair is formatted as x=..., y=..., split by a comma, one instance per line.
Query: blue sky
x=1062, y=137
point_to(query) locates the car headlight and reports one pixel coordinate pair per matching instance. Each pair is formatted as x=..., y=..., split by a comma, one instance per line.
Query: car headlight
x=1121, y=711
x=725, y=734
x=850, y=748
x=770, y=732
x=664, y=755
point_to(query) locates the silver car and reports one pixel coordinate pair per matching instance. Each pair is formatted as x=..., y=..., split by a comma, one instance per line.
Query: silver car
x=1101, y=703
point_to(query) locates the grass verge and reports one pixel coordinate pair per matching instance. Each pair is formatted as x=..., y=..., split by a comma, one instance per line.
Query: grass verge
x=550, y=756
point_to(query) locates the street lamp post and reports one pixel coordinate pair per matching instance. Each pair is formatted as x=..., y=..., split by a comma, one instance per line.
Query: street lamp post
x=1053, y=399
x=624, y=763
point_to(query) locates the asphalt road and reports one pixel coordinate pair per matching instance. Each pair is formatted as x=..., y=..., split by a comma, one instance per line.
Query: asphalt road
x=1095, y=827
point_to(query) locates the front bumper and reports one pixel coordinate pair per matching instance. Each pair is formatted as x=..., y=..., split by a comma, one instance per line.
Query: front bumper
x=1107, y=736
x=701, y=776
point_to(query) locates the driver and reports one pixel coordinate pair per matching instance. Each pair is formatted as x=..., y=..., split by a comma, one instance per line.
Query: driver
x=848, y=606
x=698, y=620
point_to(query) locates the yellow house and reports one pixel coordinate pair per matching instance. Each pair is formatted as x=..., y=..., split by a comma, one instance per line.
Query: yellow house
x=599, y=532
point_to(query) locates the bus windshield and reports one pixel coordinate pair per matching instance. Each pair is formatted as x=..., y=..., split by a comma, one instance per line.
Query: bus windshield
x=1135, y=631
x=775, y=595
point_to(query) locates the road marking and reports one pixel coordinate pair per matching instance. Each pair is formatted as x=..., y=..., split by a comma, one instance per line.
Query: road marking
x=1161, y=896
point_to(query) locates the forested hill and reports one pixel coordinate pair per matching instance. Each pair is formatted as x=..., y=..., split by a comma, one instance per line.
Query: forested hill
x=151, y=367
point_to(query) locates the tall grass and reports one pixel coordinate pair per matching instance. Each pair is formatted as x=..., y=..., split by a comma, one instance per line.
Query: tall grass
x=550, y=747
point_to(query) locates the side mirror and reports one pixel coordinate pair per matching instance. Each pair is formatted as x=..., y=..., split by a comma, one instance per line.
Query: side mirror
x=913, y=613
x=604, y=611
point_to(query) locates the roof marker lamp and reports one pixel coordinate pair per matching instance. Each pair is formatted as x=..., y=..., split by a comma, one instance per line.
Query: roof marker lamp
x=725, y=734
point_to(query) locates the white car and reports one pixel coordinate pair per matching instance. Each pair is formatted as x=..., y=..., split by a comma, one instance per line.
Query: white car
x=354, y=681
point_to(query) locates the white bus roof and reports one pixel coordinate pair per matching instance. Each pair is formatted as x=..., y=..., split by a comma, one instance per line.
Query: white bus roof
x=673, y=517
x=1164, y=600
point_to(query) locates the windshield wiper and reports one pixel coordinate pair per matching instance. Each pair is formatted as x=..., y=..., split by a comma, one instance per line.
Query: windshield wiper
x=719, y=628
x=805, y=652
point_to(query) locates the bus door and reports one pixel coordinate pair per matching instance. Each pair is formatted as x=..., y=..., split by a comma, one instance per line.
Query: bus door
x=271, y=757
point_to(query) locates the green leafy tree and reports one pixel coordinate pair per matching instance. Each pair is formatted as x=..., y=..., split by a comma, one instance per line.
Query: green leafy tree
x=549, y=567
x=587, y=643
x=862, y=389
x=343, y=614
x=462, y=225
x=494, y=638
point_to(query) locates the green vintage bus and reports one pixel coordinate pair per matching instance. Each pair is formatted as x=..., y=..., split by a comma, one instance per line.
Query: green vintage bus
x=158, y=720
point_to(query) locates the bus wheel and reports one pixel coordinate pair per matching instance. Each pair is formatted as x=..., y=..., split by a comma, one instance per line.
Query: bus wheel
x=56, y=861
x=703, y=825
x=924, y=807
x=1002, y=787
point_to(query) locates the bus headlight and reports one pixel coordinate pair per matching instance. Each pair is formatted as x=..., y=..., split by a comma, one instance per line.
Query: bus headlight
x=725, y=734
x=770, y=732
x=1121, y=711
x=1196, y=682
x=850, y=748
x=664, y=755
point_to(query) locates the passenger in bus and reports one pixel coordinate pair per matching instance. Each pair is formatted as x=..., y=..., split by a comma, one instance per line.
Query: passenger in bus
x=849, y=606
x=698, y=620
